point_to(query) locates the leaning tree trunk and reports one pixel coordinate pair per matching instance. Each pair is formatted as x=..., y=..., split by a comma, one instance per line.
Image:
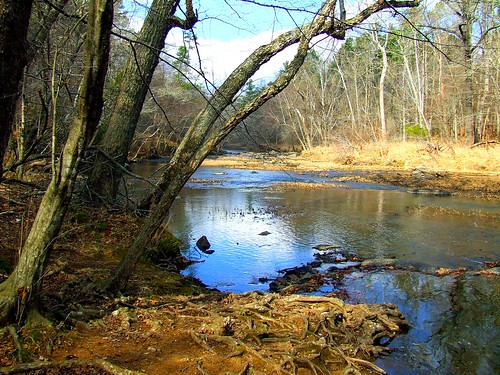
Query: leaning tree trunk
x=17, y=292
x=14, y=21
x=104, y=181
x=204, y=134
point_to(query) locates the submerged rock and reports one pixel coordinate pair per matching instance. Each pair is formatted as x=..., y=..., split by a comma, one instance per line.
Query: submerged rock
x=379, y=262
x=436, y=192
x=301, y=278
x=324, y=247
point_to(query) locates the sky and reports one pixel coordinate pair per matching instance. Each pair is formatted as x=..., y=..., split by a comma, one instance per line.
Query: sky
x=229, y=30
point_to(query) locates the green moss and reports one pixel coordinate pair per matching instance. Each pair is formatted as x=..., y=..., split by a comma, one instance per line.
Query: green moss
x=166, y=247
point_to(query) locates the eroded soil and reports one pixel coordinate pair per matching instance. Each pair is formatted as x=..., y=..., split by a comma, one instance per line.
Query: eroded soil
x=230, y=334
x=168, y=324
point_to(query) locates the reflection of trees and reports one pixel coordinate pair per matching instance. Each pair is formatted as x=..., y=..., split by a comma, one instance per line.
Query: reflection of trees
x=456, y=321
x=453, y=323
x=470, y=335
x=424, y=300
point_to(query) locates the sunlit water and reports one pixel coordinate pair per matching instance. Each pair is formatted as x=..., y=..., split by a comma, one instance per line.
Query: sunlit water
x=454, y=320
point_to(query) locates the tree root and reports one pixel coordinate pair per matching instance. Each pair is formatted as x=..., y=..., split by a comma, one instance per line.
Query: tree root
x=197, y=340
x=274, y=334
x=17, y=344
x=199, y=367
x=99, y=363
x=269, y=327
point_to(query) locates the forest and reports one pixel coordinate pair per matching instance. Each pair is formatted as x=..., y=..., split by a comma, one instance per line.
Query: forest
x=86, y=93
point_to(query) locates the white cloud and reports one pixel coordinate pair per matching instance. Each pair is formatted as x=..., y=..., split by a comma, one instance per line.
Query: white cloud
x=220, y=58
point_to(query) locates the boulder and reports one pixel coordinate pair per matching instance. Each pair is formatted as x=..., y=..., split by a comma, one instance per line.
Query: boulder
x=204, y=245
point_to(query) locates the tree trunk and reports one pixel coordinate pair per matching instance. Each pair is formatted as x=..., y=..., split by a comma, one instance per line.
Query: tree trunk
x=105, y=178
x=381, y=84
x=471, y=130
x=21, y=286
x=14, y=21
x=204, y=134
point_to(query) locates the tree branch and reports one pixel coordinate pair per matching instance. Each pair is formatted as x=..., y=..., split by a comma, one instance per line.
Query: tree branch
x=189, y=21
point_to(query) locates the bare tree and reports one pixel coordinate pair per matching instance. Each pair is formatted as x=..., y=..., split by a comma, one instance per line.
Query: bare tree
x=206, y=133
x=105, y=176
x=468, y=21
x=14, y=21
x=18, y=292
x=382, y=46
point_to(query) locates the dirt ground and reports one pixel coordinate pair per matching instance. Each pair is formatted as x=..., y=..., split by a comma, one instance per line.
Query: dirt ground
x=169, y=324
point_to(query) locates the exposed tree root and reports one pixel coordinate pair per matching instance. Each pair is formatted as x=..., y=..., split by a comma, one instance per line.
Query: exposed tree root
x=15, y=340
x=288, y=333
x=255, y=333
x=99, y=363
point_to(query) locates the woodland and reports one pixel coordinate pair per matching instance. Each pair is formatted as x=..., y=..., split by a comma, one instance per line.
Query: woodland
x=84, y=94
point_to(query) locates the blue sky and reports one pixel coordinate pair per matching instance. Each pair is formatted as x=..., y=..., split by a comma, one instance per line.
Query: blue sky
x=232, y=19
x=236, y=19
x=229, y=30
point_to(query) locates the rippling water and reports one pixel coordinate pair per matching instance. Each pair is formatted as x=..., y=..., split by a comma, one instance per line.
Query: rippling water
x=256, y=231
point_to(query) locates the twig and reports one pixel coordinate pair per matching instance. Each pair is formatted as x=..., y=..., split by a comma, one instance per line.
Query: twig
x=15, y=339
x=200, y=369
x=13, y=201
x=122, y=168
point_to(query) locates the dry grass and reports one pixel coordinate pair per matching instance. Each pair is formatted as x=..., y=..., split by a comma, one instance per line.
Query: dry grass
x=408, y=155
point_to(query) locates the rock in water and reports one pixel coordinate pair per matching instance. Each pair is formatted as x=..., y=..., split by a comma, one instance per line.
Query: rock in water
x=203, y=243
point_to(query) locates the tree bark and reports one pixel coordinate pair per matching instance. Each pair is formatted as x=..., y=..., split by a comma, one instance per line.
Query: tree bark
x=381, y=86
x=21, y=286
x=14, y=22
x=465, y=11
x=105, y=178
x=204, y=134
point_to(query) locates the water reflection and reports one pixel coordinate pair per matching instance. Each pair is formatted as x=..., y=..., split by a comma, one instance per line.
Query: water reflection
x=455, y=321
x=426, y=231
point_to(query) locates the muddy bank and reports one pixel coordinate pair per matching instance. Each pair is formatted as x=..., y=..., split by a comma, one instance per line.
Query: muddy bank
x=232, y=334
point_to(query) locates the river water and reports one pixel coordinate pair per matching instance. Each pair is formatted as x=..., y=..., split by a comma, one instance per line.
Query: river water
x=256, y=230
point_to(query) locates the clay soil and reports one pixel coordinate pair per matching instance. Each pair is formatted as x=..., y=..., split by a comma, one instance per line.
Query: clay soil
x=169, y=324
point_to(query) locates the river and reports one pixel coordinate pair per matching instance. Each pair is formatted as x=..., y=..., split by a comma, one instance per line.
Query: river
x=257, y=229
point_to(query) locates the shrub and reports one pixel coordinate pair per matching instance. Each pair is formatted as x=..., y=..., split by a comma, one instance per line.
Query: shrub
x=416, y=131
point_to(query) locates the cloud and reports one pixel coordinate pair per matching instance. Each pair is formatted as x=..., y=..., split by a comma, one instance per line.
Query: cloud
x=219, y=58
